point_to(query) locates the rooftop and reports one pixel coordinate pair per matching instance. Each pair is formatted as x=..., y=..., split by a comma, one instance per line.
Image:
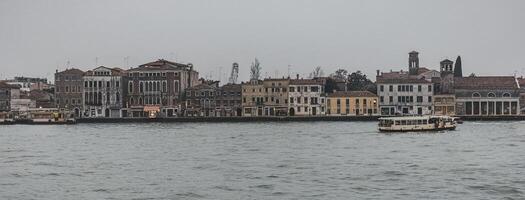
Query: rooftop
x=486, y=82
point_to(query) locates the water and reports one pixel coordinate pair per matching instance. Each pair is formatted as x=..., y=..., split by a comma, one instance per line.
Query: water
x=295, y=160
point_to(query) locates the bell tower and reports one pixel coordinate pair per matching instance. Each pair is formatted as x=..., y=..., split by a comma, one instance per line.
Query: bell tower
x=413, y=62
x=446, y=67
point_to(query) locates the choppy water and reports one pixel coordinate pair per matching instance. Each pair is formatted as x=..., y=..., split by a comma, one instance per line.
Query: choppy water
x=295, y=160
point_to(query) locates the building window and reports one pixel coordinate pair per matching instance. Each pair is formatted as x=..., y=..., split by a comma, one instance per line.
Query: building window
x=430, y=88
x=391, y=88
x=506, y=95
x=419, y=88
x=164, y=86
x=382, y=99
x=130, y=89
x=381, y=88
x=429, y=98
x=141, y=88
x=491, y=95
x=117, y=97
x=476, y=95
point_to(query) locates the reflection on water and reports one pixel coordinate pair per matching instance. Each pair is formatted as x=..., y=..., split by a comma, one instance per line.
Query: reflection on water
x=294, y=160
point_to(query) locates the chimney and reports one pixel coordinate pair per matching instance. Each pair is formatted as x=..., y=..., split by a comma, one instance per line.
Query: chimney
x=297, y=76
x=377, y=71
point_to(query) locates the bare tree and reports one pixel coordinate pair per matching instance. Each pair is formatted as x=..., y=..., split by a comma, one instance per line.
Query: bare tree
x=255, y=70
x=318, y=72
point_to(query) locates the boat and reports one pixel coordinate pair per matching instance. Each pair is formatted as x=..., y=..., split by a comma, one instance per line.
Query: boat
x=416, y=123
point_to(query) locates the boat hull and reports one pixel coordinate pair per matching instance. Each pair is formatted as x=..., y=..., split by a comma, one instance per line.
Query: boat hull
x=418, y=130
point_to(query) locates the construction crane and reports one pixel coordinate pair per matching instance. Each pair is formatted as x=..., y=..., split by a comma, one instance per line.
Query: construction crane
x=235, y=73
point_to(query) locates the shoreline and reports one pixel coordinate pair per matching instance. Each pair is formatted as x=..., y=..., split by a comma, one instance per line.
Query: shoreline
x=249, y=119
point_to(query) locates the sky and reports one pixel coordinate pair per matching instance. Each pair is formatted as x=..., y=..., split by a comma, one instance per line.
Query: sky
x=286, y=36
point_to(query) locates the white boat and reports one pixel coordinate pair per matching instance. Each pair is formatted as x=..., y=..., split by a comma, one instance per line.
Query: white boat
x=416, y=123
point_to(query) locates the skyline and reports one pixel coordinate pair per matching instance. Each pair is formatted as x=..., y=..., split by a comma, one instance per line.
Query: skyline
x=40, y=37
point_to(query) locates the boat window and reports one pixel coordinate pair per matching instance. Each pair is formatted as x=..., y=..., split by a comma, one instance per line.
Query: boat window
x=403, y=122
x=398, y=123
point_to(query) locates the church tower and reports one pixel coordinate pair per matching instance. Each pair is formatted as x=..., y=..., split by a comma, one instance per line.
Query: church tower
x=446, y=67
x=413, y=62
x=447, y=76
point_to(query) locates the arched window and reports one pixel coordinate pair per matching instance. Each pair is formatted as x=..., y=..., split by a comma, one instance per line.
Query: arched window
x=95, y=97
x=86, y=97
x=476, y=95
x=151, y=86
x=141, y=85
x=130, y=88
x=491, y=95
x=176, y=87
x=140, y=101
x=107, y=98
x=158, y=86
x=164, y=87
x=117, y=97
x=506, y=95
x=158, y=100
x=131, y=101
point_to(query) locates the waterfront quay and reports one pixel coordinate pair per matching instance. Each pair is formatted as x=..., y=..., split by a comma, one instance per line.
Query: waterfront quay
x=168, y=91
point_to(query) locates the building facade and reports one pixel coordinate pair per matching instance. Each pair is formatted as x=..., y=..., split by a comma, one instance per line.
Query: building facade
x=200, y=100
x=405, y=96
x=487, y=95
x=68, y=91
x=7, y=93
x=306, y=97
x=229, y=100
x=102, y=92
x=155, y=89
x=276, y=97
x=352, y=103
x=253, y=94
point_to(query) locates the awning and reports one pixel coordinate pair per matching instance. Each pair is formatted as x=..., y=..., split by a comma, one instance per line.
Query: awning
x=152, y=108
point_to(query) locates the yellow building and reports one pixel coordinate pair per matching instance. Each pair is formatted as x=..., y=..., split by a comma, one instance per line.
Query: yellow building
x=253, y=94
x=341, y=103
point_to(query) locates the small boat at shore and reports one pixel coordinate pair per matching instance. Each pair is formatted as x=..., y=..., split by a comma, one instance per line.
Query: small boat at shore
x=416, y=123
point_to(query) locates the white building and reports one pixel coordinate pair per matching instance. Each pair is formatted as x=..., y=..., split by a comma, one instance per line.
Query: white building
x=102, y=94
x=405, y=96
x=305, y=97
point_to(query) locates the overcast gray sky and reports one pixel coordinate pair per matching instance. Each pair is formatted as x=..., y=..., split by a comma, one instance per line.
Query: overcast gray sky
x=37, y=37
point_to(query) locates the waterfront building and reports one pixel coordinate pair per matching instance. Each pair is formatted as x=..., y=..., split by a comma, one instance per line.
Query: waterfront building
x=306, y=97
x=155, y=89
x=228, y=100
x=102, y=92
x=276, y=96
x=253, y=94
x=487, y=95
x=402, y=93
x=352, y=103
x=68, y=91
x=200, y=100
x=404, y=96
x=7, y=93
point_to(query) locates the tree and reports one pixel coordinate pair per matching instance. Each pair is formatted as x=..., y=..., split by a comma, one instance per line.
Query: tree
x=340, y=74
x=318, y=72
x=255, y=70
x=357, y=81
x=458, y=71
